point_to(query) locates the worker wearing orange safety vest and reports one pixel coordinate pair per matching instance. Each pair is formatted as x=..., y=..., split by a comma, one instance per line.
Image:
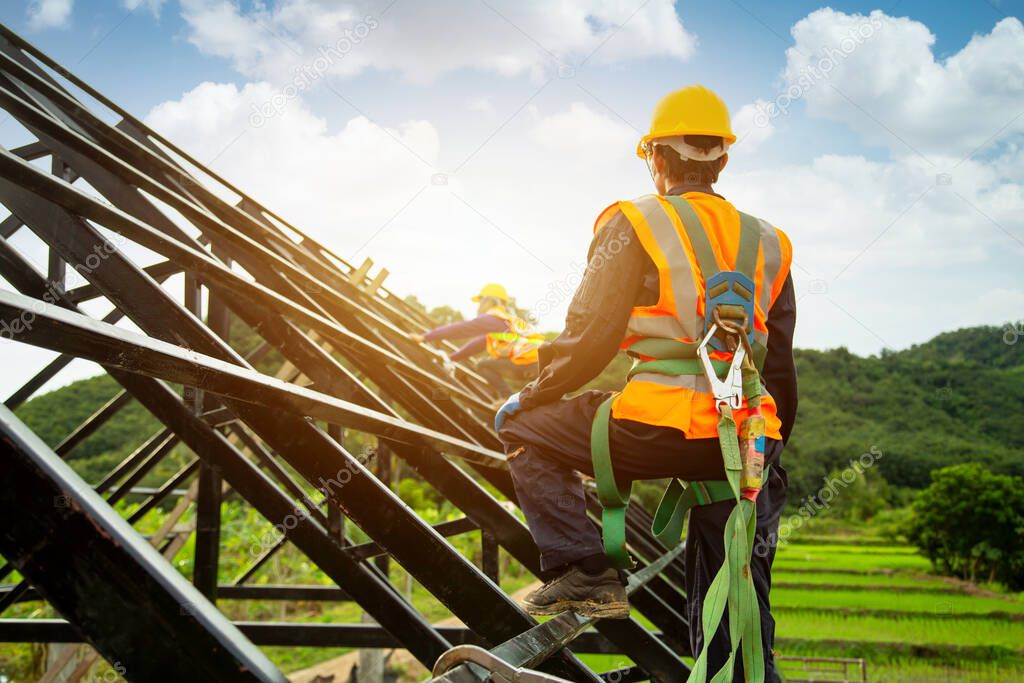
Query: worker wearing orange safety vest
x=517, y=342
x=508, y=339
x=700, y=296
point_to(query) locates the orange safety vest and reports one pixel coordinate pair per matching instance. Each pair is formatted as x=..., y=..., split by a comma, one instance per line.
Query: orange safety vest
x=519, y=343
x=685, y=402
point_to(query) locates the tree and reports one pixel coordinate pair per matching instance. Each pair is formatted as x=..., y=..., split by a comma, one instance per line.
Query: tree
x=969, y=523
x=443, y=315
x=861, y=493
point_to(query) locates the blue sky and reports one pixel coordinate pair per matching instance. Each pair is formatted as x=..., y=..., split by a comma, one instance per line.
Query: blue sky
x=142, y=59
x=461, y=142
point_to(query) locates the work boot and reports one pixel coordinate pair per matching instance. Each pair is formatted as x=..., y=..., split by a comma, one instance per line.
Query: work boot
x=600, y=596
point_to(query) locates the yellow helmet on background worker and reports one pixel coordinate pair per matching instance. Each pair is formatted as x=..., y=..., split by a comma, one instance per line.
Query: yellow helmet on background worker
x=494, y=291
x=693, y=110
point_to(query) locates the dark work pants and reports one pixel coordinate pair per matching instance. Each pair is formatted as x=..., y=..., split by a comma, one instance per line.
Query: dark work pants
x=547, y=447
x=494, y=370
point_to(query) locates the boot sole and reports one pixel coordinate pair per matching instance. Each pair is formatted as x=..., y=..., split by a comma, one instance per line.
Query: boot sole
x=585, y=608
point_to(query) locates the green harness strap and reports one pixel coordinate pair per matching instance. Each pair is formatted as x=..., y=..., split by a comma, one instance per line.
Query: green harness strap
x=614, y=498
x=733, y=585
x=746, y=254
x=699, y=240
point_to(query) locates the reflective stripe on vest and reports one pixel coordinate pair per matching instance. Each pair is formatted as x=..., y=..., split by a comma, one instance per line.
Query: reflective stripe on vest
x=670, y=255
x=685, y=402
x=519, y=343
x=771, y=253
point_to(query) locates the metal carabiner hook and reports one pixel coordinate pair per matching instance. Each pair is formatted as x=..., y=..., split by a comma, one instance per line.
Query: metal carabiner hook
x=727, y=391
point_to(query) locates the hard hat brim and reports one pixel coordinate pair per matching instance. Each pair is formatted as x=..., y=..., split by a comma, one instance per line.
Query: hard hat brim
x=728, y=137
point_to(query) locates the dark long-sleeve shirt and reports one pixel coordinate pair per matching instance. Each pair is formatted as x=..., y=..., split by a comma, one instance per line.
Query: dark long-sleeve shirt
x=619, y=276
x=476, y=330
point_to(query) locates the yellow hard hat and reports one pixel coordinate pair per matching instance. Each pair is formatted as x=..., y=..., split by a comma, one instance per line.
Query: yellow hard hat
x=493, y=290
x=693, y=110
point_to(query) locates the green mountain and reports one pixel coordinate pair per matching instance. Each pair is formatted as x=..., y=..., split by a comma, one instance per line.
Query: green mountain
x=53, y=416
x=956, y=398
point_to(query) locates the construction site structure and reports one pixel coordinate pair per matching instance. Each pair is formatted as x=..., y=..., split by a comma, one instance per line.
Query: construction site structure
x=99, y=193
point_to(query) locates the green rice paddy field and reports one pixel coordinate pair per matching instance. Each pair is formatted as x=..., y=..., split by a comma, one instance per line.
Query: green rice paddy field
x=855, y=596
x=849, y=595
x=861, y=597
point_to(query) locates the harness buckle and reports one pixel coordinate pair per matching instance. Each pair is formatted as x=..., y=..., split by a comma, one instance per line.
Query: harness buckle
x=729, y=390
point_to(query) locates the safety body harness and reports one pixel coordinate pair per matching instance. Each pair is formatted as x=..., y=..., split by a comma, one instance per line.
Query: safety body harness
x=728, y=327
x=519, y=343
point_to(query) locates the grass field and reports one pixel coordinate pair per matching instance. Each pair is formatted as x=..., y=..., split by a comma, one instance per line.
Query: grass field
x=847, y=557
x=864, y=597
x=940, y=603
x=884, y=579
x=867, y=598
x=860, y=597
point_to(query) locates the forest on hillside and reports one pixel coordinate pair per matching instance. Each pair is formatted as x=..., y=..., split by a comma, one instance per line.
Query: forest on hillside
x=956, y=398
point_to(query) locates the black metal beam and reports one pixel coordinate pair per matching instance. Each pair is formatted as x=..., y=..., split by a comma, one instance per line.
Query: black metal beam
x=225, y=592
x=266, y=459
x=367, y=551
x=109, y=345
x=164, y=491
x=297, y=634
x=87, y=158
x=106, y=568
x=9, y=226
x=31, y=151
x=448, y=575
x=93, y=423
x=409, y=389
x=158, y=271
x=13, y=267
x=376, y=595
x=278, y=592
x=530, y=648
x=84, y=337
x=302, y=288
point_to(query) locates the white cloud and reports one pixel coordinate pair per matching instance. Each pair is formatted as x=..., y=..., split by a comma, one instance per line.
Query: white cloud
x=879, y=75
x=893, y=252
x=340, y=185
x=752, y=126
x=581, y=132
x=888, y=252
x=44, y=14
x=885, y=254
x=1000, y=304
x=520, y=212
x=482, y=105
x=422, y=41
x=152, y=5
